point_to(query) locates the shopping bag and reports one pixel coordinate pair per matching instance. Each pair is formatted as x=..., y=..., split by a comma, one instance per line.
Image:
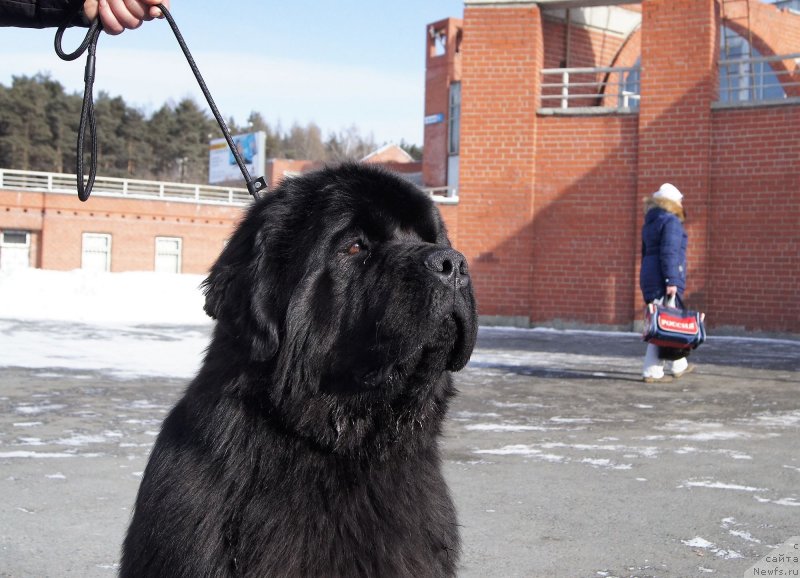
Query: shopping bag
x=674, y=327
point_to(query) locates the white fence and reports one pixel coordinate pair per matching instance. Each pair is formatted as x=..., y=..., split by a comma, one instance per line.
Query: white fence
x=125, y=188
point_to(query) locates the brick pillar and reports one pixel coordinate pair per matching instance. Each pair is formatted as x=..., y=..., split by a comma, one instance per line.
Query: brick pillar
x=441, y=69
x=678, y=86
x=501, y=77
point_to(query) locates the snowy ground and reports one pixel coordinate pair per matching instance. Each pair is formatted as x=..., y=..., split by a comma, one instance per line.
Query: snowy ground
x=560, y=461
x=104, y=322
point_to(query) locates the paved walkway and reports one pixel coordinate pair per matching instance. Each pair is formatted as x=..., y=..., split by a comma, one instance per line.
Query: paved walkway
x=561, y=462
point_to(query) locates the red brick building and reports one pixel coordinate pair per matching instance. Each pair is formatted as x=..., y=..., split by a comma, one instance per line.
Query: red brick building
x=130, y=225
x=126, y=225
x=554, y=119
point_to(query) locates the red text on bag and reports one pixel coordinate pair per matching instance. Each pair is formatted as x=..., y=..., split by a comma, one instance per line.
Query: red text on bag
x=684, y=325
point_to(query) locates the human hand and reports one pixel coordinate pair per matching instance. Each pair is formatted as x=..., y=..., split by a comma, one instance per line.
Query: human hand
x=117, y=15
x=672, y=290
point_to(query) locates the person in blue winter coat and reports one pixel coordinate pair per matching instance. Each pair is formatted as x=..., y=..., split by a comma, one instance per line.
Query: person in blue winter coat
x=663, y=273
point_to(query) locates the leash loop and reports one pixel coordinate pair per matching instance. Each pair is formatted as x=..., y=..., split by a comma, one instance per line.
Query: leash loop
x=78, y=51
x=254, y=186
x=87, y=108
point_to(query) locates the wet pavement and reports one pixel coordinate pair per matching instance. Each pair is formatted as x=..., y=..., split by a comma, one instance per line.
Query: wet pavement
x=560, y=460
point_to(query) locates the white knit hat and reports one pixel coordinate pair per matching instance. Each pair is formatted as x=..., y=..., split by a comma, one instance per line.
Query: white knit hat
x=669, y=192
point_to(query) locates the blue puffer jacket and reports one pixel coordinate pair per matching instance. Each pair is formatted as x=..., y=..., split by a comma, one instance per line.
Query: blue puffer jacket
x=664, y=242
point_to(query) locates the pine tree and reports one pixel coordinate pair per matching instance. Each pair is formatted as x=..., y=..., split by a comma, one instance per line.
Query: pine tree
x=39, y=131
x=192, y=131
x=26, y=135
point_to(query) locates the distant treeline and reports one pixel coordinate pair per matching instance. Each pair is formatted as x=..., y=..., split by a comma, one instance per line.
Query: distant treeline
x=39, y=127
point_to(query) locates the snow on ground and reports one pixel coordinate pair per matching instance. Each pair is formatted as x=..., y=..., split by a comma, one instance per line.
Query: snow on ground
x=109, y=322
x=122, y=351
x=136, y=298
x=103, y=321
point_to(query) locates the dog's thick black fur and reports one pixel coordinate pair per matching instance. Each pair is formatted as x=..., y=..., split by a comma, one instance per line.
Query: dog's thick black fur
x=307, y=443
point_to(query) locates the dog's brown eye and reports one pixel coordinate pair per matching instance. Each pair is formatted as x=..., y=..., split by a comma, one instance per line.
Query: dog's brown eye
x=354, y=248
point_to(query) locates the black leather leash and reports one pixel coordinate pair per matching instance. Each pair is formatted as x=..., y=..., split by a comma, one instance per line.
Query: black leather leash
x=254, y=186
x=87, y=109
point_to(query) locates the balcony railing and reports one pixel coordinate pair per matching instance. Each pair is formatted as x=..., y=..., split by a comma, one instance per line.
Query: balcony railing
x=126, y=188
x=60, y=183
x=615, y=88
x=767, y=79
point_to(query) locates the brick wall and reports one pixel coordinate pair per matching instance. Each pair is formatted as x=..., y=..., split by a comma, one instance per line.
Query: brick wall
x=754, y=271
x=584, y=228
x=588, y=47
x=450, y=216
x=21, y=211
x=774, y=31
x=57, y=223
x=678, y=86
x=501, y=71
x=630, y=51
x=277, y=169
x=134, y=226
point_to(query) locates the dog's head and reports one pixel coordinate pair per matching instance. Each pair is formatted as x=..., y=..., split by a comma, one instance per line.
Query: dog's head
x=345, y=280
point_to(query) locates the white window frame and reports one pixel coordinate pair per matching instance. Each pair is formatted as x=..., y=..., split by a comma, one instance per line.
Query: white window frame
x=179, y=252
x=9, y=249
x=107, y=238
x=4, y=243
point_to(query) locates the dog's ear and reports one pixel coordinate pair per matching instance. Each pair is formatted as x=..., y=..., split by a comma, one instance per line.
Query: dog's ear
x=235, y=294
x=223, y=286
x=217, y=287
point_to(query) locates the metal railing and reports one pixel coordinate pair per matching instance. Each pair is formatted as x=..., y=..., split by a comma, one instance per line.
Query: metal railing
x=125, y=188
x=608, y=87
x=37, y=181
x=760, y=79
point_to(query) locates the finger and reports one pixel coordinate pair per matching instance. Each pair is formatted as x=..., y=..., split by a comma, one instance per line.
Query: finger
x=155, y=12
x=122, y=14
x=90, y=10
x=137, y=9
x=111, y=25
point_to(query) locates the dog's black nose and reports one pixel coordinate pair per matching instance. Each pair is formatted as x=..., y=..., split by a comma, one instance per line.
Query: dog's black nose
x=449, y=266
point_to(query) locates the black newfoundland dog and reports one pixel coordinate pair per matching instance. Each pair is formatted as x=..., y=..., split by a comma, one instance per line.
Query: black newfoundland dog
x=307, y=443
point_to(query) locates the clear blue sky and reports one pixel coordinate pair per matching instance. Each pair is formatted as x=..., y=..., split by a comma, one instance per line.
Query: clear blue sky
x=334, y=62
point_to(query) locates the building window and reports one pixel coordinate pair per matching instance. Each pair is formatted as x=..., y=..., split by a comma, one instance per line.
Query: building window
x=96, y=252
x=793, y=5
x=15, y=250
x=454, y=121
x=631, y=86
x=168, y=254
x=438, y=41
x=742, y=76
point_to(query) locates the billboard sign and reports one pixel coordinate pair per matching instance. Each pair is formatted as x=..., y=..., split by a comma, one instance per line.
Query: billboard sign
x=222, y=165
